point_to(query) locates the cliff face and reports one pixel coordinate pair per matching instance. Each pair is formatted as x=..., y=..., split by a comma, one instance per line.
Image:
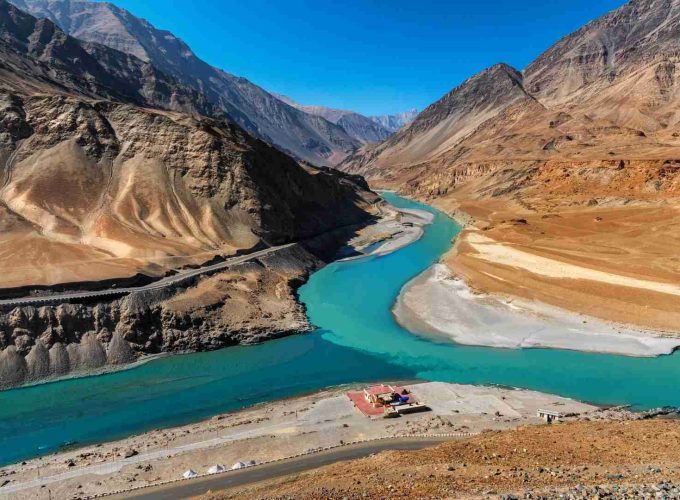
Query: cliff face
x=108, y=170
x=307, y=137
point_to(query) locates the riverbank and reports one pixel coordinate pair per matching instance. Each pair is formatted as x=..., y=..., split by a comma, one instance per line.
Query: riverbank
x=609, y=259
x=275, y=430
x=439, y=305
x=243, y=300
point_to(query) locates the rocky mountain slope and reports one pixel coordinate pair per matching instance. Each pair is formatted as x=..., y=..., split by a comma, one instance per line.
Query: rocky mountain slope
x=443, y=124
x=305, y=136
x=37, y=56
x=364, y=129
x=606, y=91
x=587, y=132
x=103, y=177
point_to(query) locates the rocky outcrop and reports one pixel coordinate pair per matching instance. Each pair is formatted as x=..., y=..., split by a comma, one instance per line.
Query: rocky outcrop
x=244, y=304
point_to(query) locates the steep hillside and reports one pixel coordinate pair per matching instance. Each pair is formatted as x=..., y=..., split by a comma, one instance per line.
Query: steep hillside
x=363, y=129
x=641, y=33
x=443, y=125
x=305, y=136
x=102, y=177
x=607, y=91
x=38, y=56
x=588, y=136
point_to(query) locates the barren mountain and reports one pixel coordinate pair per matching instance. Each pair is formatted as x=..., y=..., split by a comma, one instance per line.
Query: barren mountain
x=392, y=123
x=38, y=56
x=363, y=129
x=445, y=123
x=588, y=132
x=305, y=136
x=103, y=177
x=642, y=34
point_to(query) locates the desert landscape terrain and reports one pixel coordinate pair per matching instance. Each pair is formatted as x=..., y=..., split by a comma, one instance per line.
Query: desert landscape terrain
x=114, y=173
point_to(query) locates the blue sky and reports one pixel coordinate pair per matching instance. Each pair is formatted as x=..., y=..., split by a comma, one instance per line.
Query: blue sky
x=371, y=56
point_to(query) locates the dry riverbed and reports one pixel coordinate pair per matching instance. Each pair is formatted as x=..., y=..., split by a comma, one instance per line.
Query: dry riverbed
x=271, y=431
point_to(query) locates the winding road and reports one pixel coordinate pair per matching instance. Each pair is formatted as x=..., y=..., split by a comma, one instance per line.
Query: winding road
x=161, y=283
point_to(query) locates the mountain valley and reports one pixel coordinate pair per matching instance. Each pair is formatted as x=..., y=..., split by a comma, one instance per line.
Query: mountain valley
x=573, y=160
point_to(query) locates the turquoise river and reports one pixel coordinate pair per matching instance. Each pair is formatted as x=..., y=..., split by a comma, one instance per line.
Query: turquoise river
x=357, y=340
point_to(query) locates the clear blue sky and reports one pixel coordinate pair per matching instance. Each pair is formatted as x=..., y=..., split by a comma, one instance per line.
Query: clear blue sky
x=372, y=56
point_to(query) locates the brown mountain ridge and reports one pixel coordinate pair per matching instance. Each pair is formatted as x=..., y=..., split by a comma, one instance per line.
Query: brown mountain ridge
x=587, y=132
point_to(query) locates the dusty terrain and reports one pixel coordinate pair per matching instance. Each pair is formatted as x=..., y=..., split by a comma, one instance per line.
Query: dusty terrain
x=613, y=263
x=629, y=459
x=566, y=173
x=275, y=430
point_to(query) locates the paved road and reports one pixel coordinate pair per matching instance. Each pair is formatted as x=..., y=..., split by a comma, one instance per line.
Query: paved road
x=249, y=475
x=162, y=283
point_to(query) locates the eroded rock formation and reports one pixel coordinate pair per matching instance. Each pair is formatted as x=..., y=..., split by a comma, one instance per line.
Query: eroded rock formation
x=246, y=303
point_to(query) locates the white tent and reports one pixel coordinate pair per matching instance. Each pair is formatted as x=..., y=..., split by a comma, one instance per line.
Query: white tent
x=189, y=474
x=238, y=465
x=215, y=469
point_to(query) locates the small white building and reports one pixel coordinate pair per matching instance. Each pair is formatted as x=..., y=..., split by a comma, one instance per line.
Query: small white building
x=549, y=416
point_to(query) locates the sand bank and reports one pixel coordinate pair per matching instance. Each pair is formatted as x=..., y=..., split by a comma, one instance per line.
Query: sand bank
x=396, y=228
x=436, y=303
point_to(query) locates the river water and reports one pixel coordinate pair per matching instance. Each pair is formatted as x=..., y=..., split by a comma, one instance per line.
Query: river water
x=357, y=340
